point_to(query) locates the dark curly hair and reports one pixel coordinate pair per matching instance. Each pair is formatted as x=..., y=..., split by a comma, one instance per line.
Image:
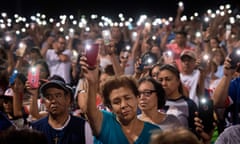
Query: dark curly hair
x=115, y=82
x=159, y=90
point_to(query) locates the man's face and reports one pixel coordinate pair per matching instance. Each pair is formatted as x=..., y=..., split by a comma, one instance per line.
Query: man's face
x=61, y=44
x=188, y=64
x=180, y=39
x=57, y=102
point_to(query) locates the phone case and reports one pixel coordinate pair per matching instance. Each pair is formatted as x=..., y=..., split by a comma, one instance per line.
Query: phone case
x=91, y=55
x=13, y=77
x=33, y=77
x=206, y=114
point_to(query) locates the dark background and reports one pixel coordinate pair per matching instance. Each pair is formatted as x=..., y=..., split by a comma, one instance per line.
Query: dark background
x=111, y=8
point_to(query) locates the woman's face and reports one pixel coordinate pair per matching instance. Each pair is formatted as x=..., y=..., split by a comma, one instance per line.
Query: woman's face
x=19, y=85
x=169, y=81
x=155, y=72
x=103, y=78
x=148, y=99
x=218, y=58
x=213, y=43
x=123, y=104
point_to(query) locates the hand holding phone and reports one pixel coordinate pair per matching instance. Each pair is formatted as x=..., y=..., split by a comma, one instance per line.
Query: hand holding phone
x=33, y=77
x=147, y=60
x=206, y=113
x=235, y=57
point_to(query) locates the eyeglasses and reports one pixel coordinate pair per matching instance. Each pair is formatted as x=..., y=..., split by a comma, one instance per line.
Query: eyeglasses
x=146, y=93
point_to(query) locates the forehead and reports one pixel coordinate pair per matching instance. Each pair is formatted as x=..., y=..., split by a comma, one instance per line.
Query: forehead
x=165, y=73
x=120, y=92
x=146, y=84
x=156, y=68
x=54, y=90
x=180, y=36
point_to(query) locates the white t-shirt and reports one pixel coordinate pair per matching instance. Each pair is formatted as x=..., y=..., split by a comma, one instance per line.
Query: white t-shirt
x=191, y=82
x=58, y=67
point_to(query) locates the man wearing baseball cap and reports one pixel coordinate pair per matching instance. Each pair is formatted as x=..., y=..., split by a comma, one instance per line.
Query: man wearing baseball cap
x=189, y=75
x=60, y=126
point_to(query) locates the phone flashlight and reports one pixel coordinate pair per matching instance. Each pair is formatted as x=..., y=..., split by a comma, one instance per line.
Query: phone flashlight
x=149, y=60
x=198, y=34
x=134, y=36
x=235, y=57
x=8, y=38
x=169, y=53
x=180, y=4
x=33, y=77
x=203, y=100
x=128, y=47
x=205, y=57
x=88, y=47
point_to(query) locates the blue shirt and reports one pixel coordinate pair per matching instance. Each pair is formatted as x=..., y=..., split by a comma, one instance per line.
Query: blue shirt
x=234, y=93
x=73, y=133
x=111, y=131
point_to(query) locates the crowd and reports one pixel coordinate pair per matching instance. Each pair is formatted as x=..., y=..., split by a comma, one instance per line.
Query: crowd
x=93, y=80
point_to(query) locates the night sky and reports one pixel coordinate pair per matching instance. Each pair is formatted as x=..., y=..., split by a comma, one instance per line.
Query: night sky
x=109, y=7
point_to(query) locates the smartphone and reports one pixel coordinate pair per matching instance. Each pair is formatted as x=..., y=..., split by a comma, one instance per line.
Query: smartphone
x=13, y=77
x=235, y=57
x=33, y=77
x=206, y=113
x=74, y=57
x=106, y=34
x=21, y=49
x=228, y=31
x=204, y=61
x=147, y=60
x=91, y=54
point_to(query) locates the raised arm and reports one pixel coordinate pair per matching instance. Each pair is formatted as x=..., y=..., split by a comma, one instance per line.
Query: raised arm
x=18, y=92
x=94, y=115
x=115, y=60
x=221, y=92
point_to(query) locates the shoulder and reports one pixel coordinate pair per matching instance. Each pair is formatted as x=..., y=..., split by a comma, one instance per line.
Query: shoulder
x=235, y=129
x=189, y=101
x=77, y=120
x=229, y=135
x=41, y=122
x=149, y=126
x=50, y=51
x=236, y=81
x=171, y=118
x=107, y=114
x=67, y=52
